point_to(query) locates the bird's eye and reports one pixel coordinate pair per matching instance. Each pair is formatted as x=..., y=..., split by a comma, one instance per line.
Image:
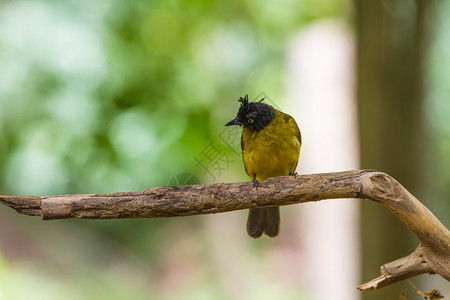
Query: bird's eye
x=250, y=121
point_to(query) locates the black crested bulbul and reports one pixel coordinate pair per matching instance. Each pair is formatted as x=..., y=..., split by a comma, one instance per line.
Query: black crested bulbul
x=270, y=145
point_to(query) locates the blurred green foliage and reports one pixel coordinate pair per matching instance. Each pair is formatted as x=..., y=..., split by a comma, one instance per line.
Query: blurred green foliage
x=107, y=96
x=104, y=96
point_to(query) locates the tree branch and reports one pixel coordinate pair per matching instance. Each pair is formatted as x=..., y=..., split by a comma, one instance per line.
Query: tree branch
x=432, y=255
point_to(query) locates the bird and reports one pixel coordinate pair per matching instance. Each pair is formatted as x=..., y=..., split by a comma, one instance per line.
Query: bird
x=270, y=145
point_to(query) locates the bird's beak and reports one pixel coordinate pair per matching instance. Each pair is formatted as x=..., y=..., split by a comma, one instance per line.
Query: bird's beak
x=235, y=121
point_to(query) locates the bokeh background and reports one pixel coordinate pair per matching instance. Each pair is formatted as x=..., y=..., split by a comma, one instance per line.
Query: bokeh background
x=108, y=96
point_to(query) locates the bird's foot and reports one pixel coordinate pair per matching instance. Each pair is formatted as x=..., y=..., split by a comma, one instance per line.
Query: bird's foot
x=293, y=174
x=256, y=183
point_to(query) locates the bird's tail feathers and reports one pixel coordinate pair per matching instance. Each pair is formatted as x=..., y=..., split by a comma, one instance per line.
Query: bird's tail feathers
x=263, y=220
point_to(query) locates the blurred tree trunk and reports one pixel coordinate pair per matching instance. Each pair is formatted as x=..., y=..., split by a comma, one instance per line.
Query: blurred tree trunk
x=390, y=47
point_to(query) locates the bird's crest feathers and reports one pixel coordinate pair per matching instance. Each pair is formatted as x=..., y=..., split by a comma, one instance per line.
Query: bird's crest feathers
x=244, y=103
x=246, y=107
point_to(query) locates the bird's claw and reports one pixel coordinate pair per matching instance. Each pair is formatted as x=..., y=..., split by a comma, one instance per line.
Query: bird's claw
x=256, y=183
x=293, y=174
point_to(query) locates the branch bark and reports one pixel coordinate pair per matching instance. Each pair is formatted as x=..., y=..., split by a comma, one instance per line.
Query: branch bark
x=431, y=256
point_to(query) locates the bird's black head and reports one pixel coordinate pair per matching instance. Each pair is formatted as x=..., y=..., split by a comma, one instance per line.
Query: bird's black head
x=253, y=115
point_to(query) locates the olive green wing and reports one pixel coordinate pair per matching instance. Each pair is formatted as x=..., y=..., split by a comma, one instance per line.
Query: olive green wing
x=290, y=122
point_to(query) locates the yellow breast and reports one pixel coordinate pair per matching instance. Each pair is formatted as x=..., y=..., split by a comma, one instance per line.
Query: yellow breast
x=272, y=151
